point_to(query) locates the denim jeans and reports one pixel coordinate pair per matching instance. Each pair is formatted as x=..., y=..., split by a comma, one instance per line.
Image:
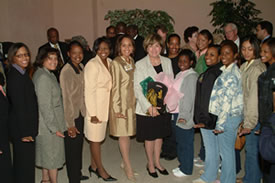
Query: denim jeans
x=253, y=173
x=226, y=141
x=202, y=150
x=212, y=159
x=238, y=160
x=185, y=149
x=221, y=145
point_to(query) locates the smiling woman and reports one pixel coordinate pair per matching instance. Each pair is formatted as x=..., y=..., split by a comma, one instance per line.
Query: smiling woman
x=49, y=142
x=205, y=39
x=152, y=126
x=72, y=85
x=98, y=84
x=23, y=114
x=122, y=110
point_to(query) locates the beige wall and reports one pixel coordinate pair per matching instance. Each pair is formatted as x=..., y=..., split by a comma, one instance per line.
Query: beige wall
x=28, y=20
x=25, y=21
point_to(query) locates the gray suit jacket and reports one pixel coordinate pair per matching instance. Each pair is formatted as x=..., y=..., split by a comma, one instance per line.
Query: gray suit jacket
x=144, y=69
x=51, y=113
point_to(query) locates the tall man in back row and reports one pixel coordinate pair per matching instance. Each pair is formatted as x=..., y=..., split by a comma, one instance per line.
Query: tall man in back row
x=53, y=41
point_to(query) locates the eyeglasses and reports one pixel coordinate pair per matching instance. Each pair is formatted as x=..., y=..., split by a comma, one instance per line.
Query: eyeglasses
x=23, y=55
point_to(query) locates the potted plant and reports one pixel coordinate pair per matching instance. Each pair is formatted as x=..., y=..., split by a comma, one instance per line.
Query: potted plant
x=241, y=12
x=146, y=20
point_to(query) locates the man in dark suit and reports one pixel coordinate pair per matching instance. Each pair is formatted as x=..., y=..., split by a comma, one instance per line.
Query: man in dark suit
x=264, y=30
x=53, y=38
x=132, y=30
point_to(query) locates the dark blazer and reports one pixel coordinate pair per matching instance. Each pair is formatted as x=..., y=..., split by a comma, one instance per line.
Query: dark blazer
x=23, y=115
x=139, y=50
x=4, y=106
x=205, y=85
x=63, y=47
x=5, y=158
x=267, y=140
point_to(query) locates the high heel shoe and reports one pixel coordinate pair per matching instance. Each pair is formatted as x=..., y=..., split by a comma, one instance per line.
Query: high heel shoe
x=90, y=169
x=153, y=174
x=122, y=166
x=163, y=172
x=108, y=179
x=129, y=174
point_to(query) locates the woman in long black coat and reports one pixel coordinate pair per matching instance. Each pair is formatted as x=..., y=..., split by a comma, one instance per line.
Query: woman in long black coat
x=23, y=115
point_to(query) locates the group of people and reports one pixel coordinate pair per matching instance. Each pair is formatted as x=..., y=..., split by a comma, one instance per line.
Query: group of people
x=151, y=88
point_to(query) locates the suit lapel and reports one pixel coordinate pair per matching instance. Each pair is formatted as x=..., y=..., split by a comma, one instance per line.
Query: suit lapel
x=150, y=67
x=104, y=69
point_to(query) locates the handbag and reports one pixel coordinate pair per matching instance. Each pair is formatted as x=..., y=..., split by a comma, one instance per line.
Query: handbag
x=240, y=142
x=144, y=84
x=155, y=95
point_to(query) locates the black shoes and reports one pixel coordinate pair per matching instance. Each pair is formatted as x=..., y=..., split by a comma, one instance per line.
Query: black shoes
x=108, y=179
x=83, y=177
x=153, y=174
x=163, y=172
x=90, y=169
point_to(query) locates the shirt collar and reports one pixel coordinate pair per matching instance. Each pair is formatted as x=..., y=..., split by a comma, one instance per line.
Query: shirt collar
x=265, y=38
x=74, y=67
x=48, y=71
x=53, y=45
x=247, y=65
x=237, y=41
x=19, y=69
x=226, y=69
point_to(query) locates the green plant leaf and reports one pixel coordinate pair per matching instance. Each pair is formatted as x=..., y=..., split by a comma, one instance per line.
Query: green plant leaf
x=146, y=20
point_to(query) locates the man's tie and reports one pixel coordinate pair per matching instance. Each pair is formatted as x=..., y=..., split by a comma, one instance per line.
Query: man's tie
x=56, y=47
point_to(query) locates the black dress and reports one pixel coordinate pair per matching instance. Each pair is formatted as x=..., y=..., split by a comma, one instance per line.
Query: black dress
x=152, y=128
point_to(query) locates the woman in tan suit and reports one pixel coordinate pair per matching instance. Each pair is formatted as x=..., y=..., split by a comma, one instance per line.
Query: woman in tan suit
x=72, y=87
x=122, y=110
x=98, y=85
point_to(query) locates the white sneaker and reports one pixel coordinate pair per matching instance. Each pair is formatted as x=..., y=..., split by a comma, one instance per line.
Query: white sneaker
x=175, y=169
x=196, y=159
x=179, y=173
x=199, y=164
x=199, y=180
